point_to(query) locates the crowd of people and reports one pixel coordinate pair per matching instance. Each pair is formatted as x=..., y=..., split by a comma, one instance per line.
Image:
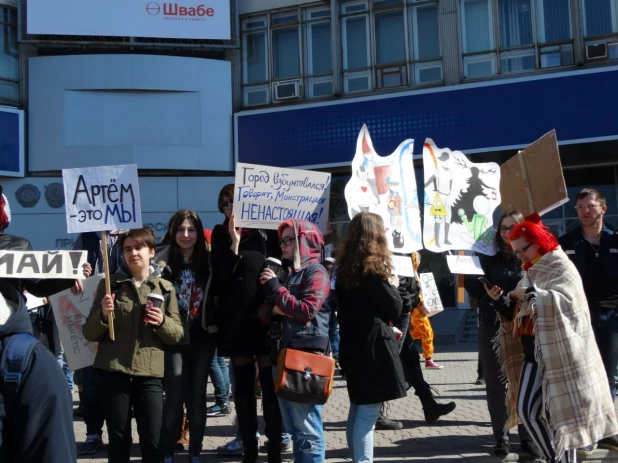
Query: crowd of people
x=548, y=342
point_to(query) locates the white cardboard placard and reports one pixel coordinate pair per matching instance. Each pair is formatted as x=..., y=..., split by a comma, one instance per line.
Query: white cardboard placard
x=265, y=196
x=102, y=198
x=42, y=264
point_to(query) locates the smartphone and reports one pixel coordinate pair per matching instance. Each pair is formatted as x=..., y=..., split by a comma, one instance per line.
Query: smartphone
x=486, y=281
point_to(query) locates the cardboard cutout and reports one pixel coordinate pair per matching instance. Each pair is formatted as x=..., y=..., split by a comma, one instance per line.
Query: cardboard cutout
x=532, y=180
x=387, y=187
x=460, y=199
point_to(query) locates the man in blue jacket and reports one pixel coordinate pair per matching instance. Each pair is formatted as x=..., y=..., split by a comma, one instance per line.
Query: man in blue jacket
x=36, y=426
x=593, y=248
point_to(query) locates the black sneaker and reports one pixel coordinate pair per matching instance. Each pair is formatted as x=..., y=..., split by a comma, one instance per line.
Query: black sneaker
x=610, y=443
x=93, y=444
x=480, y=380
x=79, y=412
x=502, y=448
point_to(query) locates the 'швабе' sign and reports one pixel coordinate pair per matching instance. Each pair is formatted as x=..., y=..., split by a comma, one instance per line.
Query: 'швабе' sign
x=42, y=264
x=102, y=198
x=266, y=196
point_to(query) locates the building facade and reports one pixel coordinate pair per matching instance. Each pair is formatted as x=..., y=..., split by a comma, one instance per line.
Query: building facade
x=291, y=87
x=486, y=77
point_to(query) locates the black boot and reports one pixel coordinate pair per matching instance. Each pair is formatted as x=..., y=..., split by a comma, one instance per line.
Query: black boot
x=246, y=410
x=272, y=415
x=432, y=409
x=385, y=423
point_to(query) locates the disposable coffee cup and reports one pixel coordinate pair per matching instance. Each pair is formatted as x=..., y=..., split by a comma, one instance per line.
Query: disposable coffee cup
x=276, y=266
x=152, y=300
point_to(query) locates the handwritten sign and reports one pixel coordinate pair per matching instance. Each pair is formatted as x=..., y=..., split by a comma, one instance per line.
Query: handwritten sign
x=464, y=265
x=70, y=313
x=431, y=295
x=102, y=198
x=42, y=264
x=402, y=266
x=266, y=196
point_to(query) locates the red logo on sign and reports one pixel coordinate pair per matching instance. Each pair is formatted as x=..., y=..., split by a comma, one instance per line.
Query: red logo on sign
x=153, y=9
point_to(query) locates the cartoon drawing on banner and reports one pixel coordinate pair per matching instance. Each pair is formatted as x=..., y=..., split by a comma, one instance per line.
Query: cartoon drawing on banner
x=387, y=187
x=460, y=198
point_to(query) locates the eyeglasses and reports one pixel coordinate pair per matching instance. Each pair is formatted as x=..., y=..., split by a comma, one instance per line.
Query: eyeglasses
x=587, y=207
x=286, y=241
x=523, y=250
x=505, y=229
x=226, y=205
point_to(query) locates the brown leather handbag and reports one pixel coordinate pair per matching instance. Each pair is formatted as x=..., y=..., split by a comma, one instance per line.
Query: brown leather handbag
x=304, y=377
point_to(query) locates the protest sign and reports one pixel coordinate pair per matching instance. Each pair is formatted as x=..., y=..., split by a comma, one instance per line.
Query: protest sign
x=460, y=199
x=532, y=180
x=70, y=313
x=431, y=296
x=464, y=265
x=102, y=198
x=387, y=186
x=402, y=266
x=42, y=264
x=266, y=196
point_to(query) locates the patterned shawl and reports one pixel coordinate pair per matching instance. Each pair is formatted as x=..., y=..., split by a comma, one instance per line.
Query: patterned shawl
x=575, y=389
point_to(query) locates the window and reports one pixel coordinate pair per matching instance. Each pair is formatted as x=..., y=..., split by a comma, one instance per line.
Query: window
x=600, y=21
x=405, y=49
x=508, y=36
x=9, y=57
x=286, y=55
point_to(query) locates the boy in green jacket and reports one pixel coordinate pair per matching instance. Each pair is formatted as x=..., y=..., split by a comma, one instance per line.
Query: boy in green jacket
x=129, y=370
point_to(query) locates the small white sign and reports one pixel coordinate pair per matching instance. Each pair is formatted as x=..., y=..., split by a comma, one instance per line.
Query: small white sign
x=402, y=266
x=32, y=302
x=464, y=265
x=266, y=196
x=102, y=198
x=42, y=264
x=431, y=295
x=70, y=313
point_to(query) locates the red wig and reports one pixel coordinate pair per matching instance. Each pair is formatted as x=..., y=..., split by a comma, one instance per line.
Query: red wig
x=536, y=233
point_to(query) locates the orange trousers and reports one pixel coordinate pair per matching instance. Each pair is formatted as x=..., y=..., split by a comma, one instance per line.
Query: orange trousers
x=420, y=328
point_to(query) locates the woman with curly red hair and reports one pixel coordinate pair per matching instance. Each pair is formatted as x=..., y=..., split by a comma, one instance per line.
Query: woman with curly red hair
x=562, y=397
x=368, y=302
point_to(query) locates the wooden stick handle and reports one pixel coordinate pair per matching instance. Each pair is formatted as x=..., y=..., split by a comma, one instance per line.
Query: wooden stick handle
x=108, y=288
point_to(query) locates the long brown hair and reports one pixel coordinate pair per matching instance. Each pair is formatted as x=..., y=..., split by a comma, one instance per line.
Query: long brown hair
x=199, y=256
x=364, y=251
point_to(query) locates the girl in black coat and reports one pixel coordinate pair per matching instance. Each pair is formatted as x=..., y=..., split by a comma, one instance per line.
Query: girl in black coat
x=368, y=303
x=238, y=258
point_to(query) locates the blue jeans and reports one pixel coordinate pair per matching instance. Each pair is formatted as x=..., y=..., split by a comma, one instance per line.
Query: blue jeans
x=359, y=431
x=605, y=327
x=58, y=352
x=304, y=423
x=333, y=335
x=220, y=378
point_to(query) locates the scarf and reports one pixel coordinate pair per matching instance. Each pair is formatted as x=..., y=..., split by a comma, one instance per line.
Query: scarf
x=575, y=389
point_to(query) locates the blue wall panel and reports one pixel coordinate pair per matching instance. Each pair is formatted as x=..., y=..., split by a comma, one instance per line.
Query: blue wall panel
x=579, y=105
x=11, y=161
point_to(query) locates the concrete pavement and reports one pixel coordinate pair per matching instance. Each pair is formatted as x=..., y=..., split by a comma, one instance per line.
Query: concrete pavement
x=462, y=436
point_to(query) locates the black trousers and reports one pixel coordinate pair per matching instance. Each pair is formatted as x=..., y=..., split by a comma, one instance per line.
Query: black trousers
x=118, y=394
x=186, y=377
x=411, y=365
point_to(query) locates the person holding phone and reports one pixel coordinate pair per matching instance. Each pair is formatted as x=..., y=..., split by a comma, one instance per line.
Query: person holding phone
x=502, y=273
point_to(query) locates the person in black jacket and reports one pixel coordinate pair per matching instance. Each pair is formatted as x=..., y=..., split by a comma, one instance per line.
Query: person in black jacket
x=238, y=258
x=368, y=303
x=38, y=426
x=593, y=248
x=504, y=271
